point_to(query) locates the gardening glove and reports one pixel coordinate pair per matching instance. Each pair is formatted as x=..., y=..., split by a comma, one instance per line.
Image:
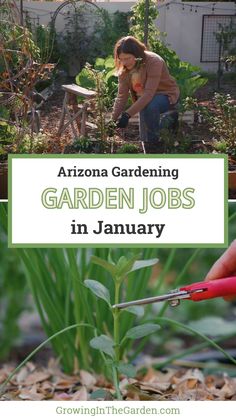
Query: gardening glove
x=123, y=120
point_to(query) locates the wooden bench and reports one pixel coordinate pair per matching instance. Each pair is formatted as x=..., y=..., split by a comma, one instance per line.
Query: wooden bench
x=75, y=112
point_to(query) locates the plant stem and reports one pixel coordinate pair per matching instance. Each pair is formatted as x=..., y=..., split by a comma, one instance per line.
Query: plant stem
x=116, y=315
x=116, y=382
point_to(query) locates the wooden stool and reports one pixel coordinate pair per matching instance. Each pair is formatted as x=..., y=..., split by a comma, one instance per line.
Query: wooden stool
x=79, y=112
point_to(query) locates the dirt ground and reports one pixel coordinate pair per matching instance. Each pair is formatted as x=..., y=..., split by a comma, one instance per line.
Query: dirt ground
x=34, y=382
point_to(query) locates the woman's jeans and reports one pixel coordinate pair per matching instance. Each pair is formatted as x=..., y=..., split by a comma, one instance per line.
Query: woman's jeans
x=149, y=118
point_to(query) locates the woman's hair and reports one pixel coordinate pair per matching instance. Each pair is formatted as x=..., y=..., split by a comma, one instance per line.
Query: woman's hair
x=128, y=45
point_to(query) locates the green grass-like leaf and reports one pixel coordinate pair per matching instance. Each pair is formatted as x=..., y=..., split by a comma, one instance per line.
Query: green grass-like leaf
x=37, y=349
x=211, y=342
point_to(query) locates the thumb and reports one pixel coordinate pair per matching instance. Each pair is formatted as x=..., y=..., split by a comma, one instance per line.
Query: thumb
x=225, y=265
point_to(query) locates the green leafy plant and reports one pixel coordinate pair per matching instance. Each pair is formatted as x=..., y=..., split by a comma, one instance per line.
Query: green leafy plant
x=115, y=25
x=56, y=280
x=15, y=141
x=21, y=68
x=221, y=119
x=137, y=21
x=225, y=36
x=113, y=347
x=187, y=76
x=177, y=142
x=34, y=143
x=75, y=41
x=105, y=68
x=8, y=134
x=83, y=145
x=99, y=79
x=82, y=42
x=44, y=38
x=221, y=146
x=128, y=148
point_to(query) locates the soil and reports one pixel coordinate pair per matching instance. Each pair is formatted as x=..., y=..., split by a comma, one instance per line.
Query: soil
x=191, y=378
x=34, y=382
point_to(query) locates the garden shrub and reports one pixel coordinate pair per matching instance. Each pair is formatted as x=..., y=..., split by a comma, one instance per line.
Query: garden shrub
x=89, y=34
x=128, y=149
x=107, y=73
x=220, y=118
x=186, y=75
x=223, y=123
x=23, y=64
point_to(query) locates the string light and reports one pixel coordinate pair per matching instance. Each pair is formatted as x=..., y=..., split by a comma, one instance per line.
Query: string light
x=213, y=8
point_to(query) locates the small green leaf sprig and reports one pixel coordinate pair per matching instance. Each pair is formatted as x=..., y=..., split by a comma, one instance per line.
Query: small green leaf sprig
x=110, y=347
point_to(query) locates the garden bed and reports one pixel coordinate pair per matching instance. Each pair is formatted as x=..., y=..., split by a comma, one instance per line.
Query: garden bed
x=194, y=137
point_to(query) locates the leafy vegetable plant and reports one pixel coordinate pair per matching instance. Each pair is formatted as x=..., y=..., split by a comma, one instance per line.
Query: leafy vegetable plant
x=112, y=347
x=101, y=79
x=221, y=121
x=128, y=149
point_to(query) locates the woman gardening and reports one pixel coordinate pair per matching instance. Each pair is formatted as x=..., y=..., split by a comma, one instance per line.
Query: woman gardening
x=144, y=74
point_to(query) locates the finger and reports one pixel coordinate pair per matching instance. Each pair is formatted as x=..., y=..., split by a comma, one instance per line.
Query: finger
x=225, y=265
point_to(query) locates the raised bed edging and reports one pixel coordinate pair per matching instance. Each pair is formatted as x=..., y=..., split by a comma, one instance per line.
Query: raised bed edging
x=232, y=180
x=3, y=179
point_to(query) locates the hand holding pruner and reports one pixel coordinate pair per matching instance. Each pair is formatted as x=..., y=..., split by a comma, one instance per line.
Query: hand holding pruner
x=198, y=291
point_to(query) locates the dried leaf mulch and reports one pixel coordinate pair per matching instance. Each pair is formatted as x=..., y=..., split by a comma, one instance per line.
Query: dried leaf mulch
x=37, y=383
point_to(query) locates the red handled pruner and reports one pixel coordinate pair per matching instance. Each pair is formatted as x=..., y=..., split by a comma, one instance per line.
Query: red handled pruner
x=198, y=291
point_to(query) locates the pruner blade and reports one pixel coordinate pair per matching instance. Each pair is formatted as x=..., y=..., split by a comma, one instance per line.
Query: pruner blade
x=172, y=296
x=198, y=291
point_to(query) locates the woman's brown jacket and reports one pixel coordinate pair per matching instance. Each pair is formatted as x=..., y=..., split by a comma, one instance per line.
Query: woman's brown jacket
x=155, y=79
